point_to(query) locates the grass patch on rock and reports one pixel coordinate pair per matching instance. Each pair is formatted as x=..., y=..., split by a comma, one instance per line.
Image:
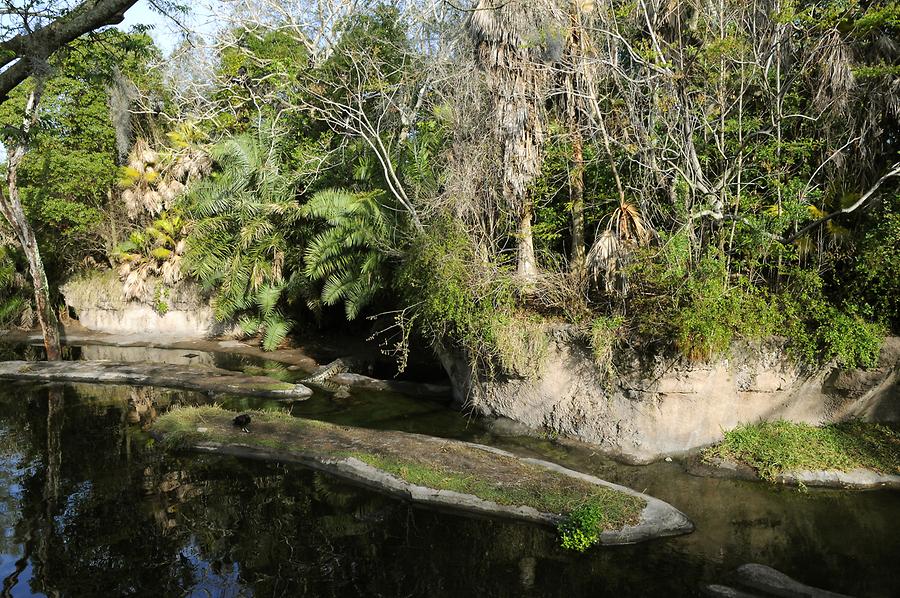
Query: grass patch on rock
x=772, y=448
x=441, y=465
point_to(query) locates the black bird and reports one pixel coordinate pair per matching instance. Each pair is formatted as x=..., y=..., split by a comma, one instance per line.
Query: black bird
x=242, y=421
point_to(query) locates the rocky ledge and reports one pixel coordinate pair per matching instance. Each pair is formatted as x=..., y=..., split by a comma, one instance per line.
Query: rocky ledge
x=444, y=474
x=204, y=379
x=854, y=479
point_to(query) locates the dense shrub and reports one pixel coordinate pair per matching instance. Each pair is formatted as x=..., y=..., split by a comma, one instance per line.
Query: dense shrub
x=455, y=296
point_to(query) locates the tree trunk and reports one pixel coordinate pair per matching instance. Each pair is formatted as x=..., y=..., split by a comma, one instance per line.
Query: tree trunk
x=576, y=198
x=43, y=307
x=576, y=162
x=12, y=209
x=527, y=265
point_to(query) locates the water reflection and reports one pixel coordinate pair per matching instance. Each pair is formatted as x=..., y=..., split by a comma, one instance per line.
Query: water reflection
x=89, y=507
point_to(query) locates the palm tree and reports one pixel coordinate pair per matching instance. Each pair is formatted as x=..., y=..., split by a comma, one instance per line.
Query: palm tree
x=513, y=45
x=244, y=238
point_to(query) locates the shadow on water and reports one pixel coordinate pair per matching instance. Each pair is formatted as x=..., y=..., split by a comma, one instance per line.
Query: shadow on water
x=90, y=507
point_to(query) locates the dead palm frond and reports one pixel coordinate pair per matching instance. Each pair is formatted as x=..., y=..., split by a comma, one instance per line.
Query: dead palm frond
x=152, y=180
x=612, y=250
x=627, y=224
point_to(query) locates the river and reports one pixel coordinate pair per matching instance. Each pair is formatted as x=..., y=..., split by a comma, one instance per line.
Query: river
x=90, y=507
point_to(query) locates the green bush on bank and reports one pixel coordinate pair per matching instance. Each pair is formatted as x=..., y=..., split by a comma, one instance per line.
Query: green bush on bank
x=703, y=310
x=772, y=448
x=456, y=295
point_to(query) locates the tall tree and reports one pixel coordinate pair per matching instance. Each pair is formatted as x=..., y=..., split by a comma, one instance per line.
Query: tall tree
x=31, y=35
x=513, y=41
x=14, y=212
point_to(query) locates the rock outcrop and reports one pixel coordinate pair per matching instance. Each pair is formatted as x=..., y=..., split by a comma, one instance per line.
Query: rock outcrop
x=179, y=310
x=648, y=409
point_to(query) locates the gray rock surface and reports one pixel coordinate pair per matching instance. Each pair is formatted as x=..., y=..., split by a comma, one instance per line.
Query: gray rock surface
x=100, y=304
x=854, y=479
x=204, y=379
x=858, y=479
x=772, y=582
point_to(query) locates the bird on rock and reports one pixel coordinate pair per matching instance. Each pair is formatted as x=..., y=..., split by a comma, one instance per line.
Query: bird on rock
x=242, y=421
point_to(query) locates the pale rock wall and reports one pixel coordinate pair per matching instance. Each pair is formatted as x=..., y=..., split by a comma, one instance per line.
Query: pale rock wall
x=99, y=303
x=669, y=406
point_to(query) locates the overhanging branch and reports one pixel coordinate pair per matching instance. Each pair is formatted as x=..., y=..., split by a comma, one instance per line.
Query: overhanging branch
x=894, y=171
x=23, y=52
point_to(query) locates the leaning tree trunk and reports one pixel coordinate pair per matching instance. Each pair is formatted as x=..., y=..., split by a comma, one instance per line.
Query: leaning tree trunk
x=12, y=209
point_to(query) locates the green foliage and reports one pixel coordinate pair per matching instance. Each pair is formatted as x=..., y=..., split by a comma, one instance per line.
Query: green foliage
x=348, y=256
x=372, y=44
x=776, y=447
x=455, y=296
x=818, y=330
x=70, y=166
x=699, y=307
x=15, y=296
x=851, y=339
x=703, y=309
x=246, y=234
x=581, y=529
x=874, y=277
x=712, y=311
x=247, y=66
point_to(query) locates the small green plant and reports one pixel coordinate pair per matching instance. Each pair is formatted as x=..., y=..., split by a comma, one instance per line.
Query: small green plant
x=161, y=300
x=582, y=528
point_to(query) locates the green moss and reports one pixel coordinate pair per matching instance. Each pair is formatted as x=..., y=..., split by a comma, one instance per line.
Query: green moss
x=497, y=478
x=775, y=447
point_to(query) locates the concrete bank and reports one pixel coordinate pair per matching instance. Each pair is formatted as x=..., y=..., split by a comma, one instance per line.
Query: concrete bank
x=203, y=379
x=354, y=454
x=644, y=408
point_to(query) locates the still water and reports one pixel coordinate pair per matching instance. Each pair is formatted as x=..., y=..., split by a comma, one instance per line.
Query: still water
x=90, y=507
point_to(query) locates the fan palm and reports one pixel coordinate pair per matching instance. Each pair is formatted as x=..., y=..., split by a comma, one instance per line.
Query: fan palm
x=241, y=244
